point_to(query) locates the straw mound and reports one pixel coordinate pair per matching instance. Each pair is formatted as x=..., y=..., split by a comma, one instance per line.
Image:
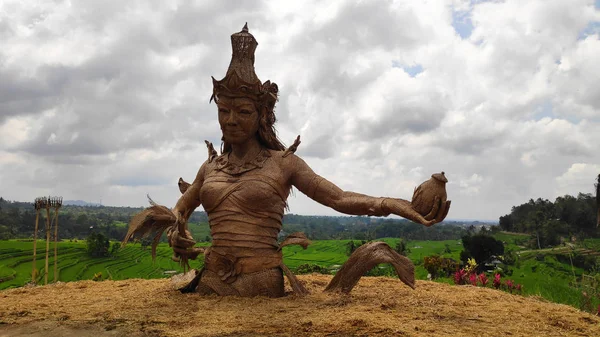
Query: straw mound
x=377, y=306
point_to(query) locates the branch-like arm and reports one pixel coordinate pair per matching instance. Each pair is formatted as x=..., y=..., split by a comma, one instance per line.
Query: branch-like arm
x=328, y=194
x=180, y=238
x=190, y=200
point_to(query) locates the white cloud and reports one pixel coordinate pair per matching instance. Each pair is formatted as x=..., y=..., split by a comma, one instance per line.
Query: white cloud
x=110, y=100
x=579, y=178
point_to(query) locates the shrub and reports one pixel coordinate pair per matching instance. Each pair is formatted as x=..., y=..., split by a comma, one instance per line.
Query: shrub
x=97, y=245
x=439, y=266
x=309, y=268
x=382, y=270
x=114, y=249
x=480, y=247
x=402, y=248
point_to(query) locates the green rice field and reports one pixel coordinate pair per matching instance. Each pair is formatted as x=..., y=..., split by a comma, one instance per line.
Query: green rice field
x=550, y=279
x=74, y=263
x=134, y=262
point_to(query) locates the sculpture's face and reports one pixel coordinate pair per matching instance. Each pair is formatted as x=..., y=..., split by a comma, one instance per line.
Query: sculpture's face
x=238, y=118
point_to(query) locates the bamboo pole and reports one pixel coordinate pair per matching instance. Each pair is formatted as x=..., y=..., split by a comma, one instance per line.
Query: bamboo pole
x=37, y=218
x=598, y=200
x=47, y=242
x=55, y=243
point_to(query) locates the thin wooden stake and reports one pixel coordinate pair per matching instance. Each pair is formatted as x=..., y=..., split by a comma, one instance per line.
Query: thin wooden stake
x=37, y=217
x=55, y=244
x=47, y=242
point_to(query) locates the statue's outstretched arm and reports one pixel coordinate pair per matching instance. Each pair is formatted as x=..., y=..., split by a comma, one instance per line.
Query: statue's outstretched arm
x=328, y=194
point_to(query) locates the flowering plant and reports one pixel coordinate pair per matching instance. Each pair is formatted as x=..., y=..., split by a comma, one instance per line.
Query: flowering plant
x=483, y=280
x=460, y=276
x=510, y=285
x=468, y=276
x=473, y=279
x=497, y=281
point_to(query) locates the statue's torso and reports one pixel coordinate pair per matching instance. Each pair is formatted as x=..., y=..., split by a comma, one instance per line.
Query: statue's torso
x=245, y=211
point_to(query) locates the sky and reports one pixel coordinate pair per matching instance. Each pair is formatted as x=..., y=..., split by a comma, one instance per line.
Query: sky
x=108, y=101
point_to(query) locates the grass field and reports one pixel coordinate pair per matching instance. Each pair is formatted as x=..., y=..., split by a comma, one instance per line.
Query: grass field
x=549, y=278
x=133, y=261
x=74, y=263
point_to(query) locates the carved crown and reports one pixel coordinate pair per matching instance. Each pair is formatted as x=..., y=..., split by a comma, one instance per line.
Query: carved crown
x=241, y=79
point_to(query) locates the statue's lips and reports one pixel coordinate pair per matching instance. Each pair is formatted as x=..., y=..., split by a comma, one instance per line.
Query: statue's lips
x=234, y=132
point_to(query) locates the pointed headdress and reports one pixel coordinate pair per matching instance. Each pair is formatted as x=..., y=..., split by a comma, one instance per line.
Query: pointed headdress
x=241, y=80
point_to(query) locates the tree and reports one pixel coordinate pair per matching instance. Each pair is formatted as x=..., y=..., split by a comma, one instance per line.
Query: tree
x=506, y=223
x=114, y=249
x=536, y=225
x=145, y=242
x=97, y=245
x=484, y=230
x=471, y=230
x=350, y=247
x=480, y=247
x=402, y=248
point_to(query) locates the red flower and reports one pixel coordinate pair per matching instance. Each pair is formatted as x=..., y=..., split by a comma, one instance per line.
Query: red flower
x=459, y=276
x=483, y=279
x=497, y=281
x=510, y=285
x=473, y=279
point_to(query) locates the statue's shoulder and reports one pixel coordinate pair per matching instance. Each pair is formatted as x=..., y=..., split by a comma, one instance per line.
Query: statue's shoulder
x=287, y=156
x=288, y=162
x=209, y=165
x=283, y=156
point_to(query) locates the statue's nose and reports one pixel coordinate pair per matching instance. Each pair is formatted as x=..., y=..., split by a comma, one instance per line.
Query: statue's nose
x=232, y=119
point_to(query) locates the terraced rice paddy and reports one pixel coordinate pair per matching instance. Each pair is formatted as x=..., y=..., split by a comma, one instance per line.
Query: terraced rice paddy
x=134, y=262
x=550, y=278
x=74, y=263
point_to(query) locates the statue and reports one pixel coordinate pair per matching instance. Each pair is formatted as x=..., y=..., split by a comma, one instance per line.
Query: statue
x=244, y=191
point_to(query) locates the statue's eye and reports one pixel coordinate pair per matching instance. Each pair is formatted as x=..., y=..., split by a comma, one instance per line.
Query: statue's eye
x=223, y=110
x=245, y=112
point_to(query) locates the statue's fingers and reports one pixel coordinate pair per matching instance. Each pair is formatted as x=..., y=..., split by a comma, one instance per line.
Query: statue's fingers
x=434, y=210
x=443, y=212
x=188, y=235
x=184, y=242
x=185, y=237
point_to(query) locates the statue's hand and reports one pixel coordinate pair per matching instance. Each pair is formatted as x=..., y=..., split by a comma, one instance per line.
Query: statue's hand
x=176, y=239
x=404, y=209
x=438, y=212
x=181, y=240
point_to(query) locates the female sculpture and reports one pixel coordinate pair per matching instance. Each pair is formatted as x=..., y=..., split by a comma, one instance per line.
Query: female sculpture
x=244, y=192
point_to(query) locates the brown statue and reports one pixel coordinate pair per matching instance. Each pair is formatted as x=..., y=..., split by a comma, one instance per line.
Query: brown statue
x=244, y=192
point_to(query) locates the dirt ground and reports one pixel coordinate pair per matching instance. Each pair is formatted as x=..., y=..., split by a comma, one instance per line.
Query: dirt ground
x=377, y=306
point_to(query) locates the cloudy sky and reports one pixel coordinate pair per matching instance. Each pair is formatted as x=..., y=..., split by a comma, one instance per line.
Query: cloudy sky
x=108, y=100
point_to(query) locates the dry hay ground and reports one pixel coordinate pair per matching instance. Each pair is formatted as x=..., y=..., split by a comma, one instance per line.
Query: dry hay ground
x=377, y=306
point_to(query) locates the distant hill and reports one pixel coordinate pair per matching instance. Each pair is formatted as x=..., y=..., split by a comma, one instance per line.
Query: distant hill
x=79, y=217
x=79, y=203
